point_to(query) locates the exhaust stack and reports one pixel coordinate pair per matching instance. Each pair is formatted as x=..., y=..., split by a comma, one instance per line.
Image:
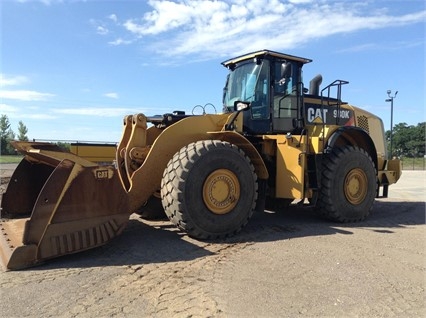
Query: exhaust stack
x=314, y=85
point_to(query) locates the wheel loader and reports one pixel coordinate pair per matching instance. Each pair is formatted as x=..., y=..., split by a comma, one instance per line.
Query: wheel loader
x=275, y=142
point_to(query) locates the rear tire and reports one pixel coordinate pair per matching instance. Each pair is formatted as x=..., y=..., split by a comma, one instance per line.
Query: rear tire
x=209, y=189
x=348, y=185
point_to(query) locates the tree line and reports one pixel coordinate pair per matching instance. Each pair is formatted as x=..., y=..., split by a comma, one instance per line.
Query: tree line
x=407, y=140
x=7, y=134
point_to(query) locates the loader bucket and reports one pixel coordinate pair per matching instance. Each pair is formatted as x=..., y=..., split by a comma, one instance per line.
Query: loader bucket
x=56, y=204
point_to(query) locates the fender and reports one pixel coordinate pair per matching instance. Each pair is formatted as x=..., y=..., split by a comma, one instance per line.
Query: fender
x=242, y=142
x=350, y=135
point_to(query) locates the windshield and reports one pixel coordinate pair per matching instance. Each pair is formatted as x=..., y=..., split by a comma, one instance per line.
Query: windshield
x=245, y=82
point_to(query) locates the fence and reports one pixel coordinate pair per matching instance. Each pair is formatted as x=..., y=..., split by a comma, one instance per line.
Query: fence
x=413, y=163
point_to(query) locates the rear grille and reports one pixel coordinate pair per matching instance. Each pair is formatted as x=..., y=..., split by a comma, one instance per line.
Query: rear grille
x=363, y=123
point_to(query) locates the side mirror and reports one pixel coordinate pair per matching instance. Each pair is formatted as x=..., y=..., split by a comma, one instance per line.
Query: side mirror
x=238, y=107
x=241, y=106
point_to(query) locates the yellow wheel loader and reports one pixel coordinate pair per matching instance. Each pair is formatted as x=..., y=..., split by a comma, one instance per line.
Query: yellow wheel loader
x=276, y=141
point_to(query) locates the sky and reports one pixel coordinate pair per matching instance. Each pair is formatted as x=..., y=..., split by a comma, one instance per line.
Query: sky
x=71, y=70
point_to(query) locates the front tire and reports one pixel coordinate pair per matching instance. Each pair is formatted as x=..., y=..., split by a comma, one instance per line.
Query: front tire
x=209, y=189
x=348, y=185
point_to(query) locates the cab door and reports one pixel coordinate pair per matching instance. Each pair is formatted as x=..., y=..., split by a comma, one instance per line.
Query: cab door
x=286, y=99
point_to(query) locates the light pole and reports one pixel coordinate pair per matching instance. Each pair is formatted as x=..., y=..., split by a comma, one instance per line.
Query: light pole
x=390, y=99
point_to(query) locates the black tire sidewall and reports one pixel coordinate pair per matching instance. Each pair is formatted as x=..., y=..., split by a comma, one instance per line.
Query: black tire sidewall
x=334, y=201
x=194, y=208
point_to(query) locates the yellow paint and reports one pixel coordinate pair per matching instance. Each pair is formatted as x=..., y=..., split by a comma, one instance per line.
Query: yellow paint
x=291, y=162
x=221, y=191
x=142, y=181
x=95, y=152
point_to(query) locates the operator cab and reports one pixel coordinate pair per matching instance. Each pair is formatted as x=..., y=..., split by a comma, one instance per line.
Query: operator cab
x=272, y=83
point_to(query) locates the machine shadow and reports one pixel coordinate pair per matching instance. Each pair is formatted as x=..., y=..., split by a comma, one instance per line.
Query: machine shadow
x=147, y=242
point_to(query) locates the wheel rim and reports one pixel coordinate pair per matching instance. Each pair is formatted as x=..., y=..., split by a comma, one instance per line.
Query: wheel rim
x=356, y=186
x=221, y=191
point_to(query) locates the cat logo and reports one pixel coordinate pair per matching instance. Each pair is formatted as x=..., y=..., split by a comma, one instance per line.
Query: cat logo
x=317, y=120
x=103, y=173
x=317, y=115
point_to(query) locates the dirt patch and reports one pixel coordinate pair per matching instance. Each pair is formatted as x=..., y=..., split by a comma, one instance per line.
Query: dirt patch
x=290, y=264
x=6, y=171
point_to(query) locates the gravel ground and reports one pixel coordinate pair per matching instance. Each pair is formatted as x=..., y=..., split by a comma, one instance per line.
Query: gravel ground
x=288, y=264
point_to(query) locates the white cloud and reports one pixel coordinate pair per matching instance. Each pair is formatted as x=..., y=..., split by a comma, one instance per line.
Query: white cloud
x=45, y=2
x=96, y=111
x=12, y=80
x=22, y=113
x=113, y=18
x=389, y=46
x=211, y=28
x=101, y=30
x=119, y=41
x=300, y=1
x=4, y=108
x=359, y=48
x=99, y=26
x=111, y=95
x=25, y=95
x=38, y=116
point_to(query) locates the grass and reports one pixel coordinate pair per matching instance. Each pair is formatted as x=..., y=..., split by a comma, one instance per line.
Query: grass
x=10, y=159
